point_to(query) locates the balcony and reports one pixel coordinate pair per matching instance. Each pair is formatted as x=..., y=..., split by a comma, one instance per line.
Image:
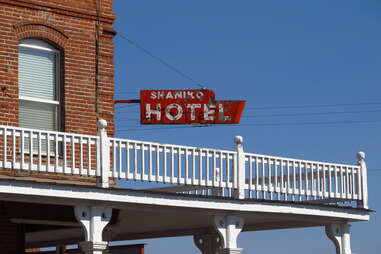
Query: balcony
x=219, y=192
x=183, y=169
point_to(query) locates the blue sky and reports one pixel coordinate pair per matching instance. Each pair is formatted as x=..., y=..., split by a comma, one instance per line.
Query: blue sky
x=272, y=54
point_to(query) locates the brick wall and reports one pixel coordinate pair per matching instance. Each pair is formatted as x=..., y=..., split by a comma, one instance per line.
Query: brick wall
x=70, y=25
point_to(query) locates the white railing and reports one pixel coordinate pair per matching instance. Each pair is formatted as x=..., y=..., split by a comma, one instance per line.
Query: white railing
x=183, y=169
x=291, y=179
x=171, y=164
x=48, y=152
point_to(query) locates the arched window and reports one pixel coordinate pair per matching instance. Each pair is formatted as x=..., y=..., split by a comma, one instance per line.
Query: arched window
x=39, y=85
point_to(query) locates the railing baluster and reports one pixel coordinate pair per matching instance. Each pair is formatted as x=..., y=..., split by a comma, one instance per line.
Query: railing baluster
x=276, y=178
x=5, y=148
x=353, y=183
x=72, y=154
x=214, y=169
x=13, y=148
x=81, y=171
x=39, y=167
x=300, y=184
x=150, y=177
x=269, y=182
x=47, y=152
x=313, y=185
x=172, y=164
x=281, y=189
x=200, y=167
x=128, y=164
x=30, y=150
x=207, y=173
x=22, y=144
x=318, y=183
x=179, y=167
x=143, y=162
x=157, y=162
x=227, y=170
x=164, y=164
x=293, y=181
x=193, y=166
x=186, y=166
x=89, y=156
x=342, y=183
x=288, y=180
x=336, y=182
x=330, y=182
x=346, y=180
x=117, y=150
x=56, y=155
x=306, y=185
x=113, y=145
x=324, y=183
x=135, y=162
x=256, y=177
x=64, y=154
x=251, y=177
x=263, y=177
x=221, y=171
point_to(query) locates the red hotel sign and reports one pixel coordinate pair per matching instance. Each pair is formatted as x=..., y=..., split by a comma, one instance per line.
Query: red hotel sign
x=187, y=107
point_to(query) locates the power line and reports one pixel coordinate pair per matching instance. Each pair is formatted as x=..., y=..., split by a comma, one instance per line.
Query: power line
x=313, y=106
x=162, y=61
x=263, y=124
x=126, y=106
x=313, y=123
x=163, y=128
x=313, y=113
x=281, y=115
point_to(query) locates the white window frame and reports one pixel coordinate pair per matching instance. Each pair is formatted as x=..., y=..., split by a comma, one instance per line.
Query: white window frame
x=44, y=46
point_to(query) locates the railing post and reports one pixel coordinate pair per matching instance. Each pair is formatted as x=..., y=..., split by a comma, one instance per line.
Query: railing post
x=239, y=192
x=364, y=180
x=104, y=148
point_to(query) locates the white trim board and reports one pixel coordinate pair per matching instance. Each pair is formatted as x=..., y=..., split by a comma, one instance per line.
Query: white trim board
x=47, y=193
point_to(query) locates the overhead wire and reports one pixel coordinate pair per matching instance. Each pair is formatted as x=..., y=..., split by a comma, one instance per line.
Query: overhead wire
x=313, y=106
x=161, y=60
x=314, y=113
x=282, y=115
x=259, y=125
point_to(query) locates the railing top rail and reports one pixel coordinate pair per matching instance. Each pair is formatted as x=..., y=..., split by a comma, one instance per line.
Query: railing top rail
x=301, y=160
x=171, y=145
x=47, y=132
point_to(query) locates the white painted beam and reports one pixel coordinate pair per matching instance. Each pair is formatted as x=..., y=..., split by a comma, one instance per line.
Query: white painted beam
x=33, y=192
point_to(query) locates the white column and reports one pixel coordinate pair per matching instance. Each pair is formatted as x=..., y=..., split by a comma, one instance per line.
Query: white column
x=364, y=180
x=104, y=154
x=93, y=220
x=208, y=243
x=239, y=177
x=229, y=228
x=340, y=235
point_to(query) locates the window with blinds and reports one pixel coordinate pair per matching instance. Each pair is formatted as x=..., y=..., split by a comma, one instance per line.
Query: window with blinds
x=39, y=105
